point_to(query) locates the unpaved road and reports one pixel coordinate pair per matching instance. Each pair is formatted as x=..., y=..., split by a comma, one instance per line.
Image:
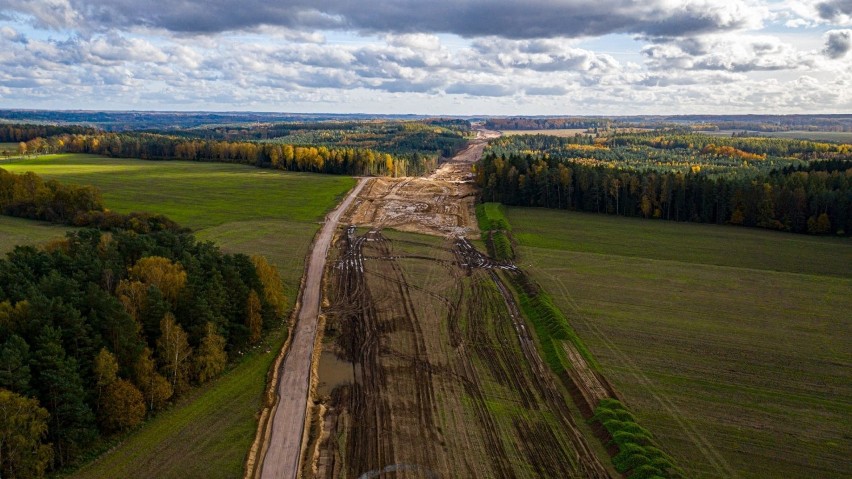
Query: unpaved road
x=285, y=442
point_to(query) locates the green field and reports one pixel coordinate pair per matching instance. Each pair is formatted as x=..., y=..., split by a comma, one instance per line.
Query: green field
x=18, y=231
x=731, y=345
x=206, y=434
x=243, y=209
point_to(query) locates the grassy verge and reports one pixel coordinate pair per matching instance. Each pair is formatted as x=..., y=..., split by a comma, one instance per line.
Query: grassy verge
x=729, y=344
x=496, y=230
x=550, y=325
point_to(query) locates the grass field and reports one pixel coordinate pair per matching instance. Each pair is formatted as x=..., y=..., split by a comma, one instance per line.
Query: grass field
x=8, y=147
x=206, y=434
x=567, y=132
x=17, y=231
x=839, y=136
x=241, y=208
x=731, y=345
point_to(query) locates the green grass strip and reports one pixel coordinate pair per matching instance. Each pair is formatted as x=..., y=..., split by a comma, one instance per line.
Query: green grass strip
x=495, y=227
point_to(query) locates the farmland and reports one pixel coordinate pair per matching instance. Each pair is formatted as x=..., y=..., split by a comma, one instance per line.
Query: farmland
x=731, y=345
x=244, y=210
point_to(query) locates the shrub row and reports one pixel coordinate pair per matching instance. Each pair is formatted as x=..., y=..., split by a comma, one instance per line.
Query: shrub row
x=638, y=456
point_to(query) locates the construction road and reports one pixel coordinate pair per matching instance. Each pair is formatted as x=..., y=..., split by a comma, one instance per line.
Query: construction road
x=285, y=442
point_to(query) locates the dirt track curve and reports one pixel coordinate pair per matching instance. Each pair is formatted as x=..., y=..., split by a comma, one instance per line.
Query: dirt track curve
x=285, y=442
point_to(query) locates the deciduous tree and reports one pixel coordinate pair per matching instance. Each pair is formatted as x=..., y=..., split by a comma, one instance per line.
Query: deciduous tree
x=254, y=320
x=23, y=427
x=155, y=388
x=174, y=352
x=210, y=358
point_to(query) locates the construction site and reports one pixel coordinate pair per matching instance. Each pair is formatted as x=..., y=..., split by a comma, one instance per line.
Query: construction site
x=426, y=367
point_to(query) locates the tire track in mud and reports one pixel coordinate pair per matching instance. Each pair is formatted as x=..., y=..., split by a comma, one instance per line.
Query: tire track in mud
x=493, y=349
x=451, y=382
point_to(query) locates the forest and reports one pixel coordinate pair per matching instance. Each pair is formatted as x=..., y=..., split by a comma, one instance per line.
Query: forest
x=355, y=148
x=764, y=123
x=790, y=185
x=102, y=329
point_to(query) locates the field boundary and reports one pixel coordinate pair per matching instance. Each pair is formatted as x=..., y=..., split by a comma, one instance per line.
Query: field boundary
x=569, y=358
x=700, y=442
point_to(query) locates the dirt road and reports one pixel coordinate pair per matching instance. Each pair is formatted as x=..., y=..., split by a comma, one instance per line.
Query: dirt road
x=285, y=442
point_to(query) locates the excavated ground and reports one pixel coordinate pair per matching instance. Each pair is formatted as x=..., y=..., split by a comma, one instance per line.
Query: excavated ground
x=440, y=204
x=437, y=374
x=449, y=381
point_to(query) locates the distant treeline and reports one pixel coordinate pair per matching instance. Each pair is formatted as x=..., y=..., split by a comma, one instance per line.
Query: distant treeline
x=11, y=132
x=814, y=199
x=350, y=161
x=523, y=123
x=780, y=147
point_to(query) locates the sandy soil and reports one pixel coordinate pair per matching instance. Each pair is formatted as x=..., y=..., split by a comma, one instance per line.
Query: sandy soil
x=441, y=204
x=450, y=383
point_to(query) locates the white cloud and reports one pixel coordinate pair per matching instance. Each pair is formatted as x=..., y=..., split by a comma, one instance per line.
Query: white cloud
x=499, y=55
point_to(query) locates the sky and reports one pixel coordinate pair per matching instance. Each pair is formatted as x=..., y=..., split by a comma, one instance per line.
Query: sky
x=452, y=57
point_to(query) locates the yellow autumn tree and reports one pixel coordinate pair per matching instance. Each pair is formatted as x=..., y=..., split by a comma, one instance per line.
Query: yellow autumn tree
x=161, y=272
x=133, y=295
x=155, y=388
x=210, y=358
x=105, y=368
x=254, y=320
x=23, y=427
x=123, y=406
x=174, y=353
x=273, y=289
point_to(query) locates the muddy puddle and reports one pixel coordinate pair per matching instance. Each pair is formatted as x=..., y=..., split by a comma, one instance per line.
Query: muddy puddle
x=334, y=372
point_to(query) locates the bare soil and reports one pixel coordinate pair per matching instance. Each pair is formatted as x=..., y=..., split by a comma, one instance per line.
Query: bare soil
x=449, y=381
x=440, y=204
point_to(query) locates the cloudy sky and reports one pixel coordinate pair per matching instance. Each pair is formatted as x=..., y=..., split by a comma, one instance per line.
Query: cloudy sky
x=429, y=57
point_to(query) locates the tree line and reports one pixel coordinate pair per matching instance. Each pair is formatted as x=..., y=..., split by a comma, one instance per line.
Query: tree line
x=27, y=195
x=815, y=198
x=350, y=161
x=16, y=132
x=102, y=329
x=523, y=123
